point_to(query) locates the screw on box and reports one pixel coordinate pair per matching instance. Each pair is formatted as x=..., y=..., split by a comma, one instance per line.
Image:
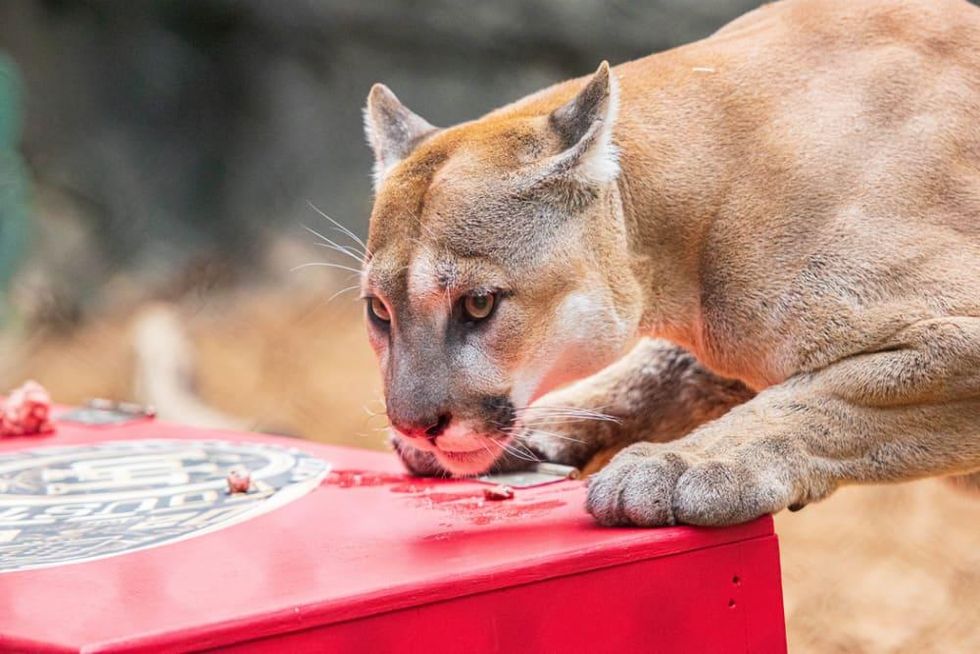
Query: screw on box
x=541, y=474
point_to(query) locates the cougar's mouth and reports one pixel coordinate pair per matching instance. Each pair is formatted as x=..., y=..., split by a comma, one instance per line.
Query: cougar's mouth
x=473, y=461
x=461, y=450
x=462, y=457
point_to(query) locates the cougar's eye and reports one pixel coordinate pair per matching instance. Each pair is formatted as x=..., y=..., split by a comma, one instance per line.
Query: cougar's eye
x=478, y=306
x=378, y=311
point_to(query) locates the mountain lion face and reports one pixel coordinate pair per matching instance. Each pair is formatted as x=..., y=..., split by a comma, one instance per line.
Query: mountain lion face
x=497, y=267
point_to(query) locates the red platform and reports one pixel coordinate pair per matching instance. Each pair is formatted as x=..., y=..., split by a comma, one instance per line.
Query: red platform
x=365, y=560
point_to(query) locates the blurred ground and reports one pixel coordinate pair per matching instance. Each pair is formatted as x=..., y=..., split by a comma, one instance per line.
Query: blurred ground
x=276, y=357
x=884, y=569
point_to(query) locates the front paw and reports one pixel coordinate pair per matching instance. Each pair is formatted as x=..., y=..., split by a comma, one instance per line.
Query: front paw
x=653, y=485
x=565, y=447
x=637, y=487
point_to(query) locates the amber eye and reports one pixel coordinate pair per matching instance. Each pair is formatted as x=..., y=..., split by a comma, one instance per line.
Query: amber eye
x=478, y=306
x=378, y=310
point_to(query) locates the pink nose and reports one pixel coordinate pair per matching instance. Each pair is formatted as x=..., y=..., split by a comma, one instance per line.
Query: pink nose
x=430, y=429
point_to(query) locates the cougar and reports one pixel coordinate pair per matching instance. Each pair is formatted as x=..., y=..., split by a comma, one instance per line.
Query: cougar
x=750, y=264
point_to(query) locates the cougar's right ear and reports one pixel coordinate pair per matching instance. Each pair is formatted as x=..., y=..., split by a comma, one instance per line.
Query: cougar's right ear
x=392, y=130
x=584, y=126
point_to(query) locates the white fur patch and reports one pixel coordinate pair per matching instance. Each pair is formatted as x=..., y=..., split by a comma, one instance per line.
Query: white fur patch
x=587, y=336
x=422, y=281
x=600, y=162
x=392, y=130
x=382, y=163
x=459, y=438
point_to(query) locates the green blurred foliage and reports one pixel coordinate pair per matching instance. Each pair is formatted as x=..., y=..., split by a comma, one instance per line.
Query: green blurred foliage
x=14, y=217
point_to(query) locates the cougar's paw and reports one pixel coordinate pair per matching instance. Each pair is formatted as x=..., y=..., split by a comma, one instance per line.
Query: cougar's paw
x=725, y=493
x=637, y=487
x=652, y=485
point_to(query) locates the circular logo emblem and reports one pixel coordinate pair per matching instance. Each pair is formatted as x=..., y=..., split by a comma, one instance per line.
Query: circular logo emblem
x=71, y=504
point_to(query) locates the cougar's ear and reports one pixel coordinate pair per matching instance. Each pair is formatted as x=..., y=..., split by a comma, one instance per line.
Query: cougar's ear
x=584, y=126
x=392, y=130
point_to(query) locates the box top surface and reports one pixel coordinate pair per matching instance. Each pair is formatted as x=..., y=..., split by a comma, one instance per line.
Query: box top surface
x=361, y=540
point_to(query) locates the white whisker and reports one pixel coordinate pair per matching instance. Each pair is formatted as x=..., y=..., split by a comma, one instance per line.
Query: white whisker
x=333, y=245
x=324, y=264
x=551, y=434
x=553, y=415
x=342, y=291
x=507, y=448
x=343, y=229
x=525, y=449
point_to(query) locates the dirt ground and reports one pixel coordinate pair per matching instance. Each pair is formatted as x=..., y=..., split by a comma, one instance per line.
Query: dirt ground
x=874, y=569
x=883, y=569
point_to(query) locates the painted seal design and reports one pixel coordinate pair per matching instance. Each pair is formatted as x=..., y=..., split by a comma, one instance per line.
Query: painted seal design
x=63, y=505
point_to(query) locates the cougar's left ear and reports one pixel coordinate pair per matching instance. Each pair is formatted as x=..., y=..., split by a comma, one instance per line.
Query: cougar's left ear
x=584, y=126
x=392, y=130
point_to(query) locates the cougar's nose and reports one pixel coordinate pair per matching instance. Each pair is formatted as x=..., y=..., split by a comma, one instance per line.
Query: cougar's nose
x=430, y=428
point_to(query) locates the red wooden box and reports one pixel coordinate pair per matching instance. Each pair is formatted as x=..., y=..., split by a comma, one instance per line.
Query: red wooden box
x=121, y=538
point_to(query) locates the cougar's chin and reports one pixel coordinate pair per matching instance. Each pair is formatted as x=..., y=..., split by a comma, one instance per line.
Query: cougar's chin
x=464, y=450
x=460, y=451
x=467, y=463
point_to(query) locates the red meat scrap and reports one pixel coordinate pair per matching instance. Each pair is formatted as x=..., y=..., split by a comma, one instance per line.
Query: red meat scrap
x=498, y=493
x=239, y=480
x=26, y=411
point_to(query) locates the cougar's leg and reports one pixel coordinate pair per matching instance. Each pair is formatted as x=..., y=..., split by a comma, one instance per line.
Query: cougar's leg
x=909, y=409
x=656, y=392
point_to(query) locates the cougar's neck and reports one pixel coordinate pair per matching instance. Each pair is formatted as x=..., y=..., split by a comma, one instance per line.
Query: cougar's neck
x=672, y=179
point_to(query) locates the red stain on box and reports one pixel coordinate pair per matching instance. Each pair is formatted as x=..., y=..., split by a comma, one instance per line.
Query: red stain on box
x=473, y=505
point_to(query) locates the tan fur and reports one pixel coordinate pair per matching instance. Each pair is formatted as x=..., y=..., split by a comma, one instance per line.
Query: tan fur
x=795, y=202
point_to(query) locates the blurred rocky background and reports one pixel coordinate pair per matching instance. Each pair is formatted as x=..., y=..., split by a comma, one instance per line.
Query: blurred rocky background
x=158, y=159
x=181, y=134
